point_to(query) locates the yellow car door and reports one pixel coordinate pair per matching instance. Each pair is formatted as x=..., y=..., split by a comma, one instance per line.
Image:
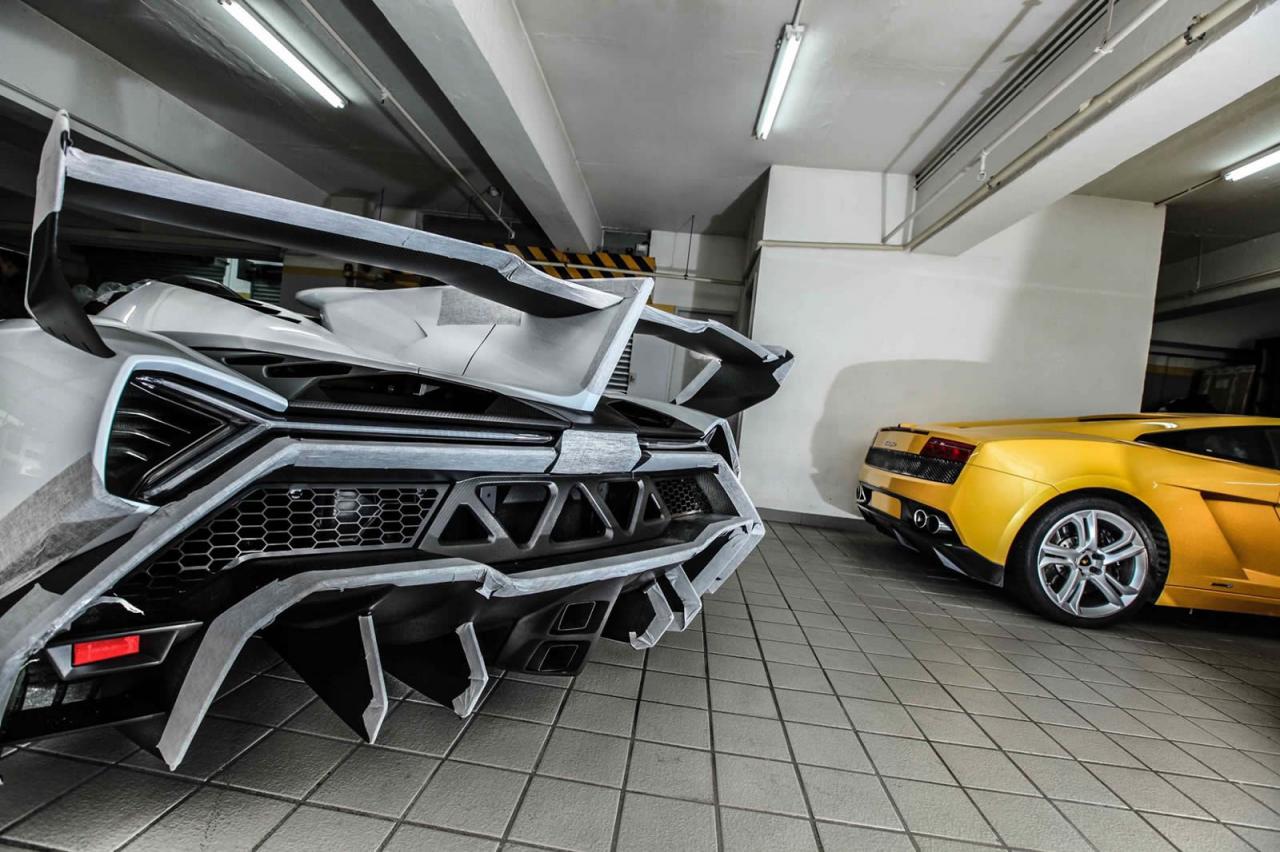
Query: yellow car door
x=1236, y=473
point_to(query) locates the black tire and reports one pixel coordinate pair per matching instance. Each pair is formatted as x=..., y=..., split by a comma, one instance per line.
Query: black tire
x=1022, y=574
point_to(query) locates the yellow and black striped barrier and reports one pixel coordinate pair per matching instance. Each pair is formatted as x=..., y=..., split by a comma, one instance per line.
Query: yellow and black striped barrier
x=599, y=264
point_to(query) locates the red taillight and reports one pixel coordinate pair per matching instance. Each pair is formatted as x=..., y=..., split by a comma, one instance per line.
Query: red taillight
x=937, y=448
x=97, y=650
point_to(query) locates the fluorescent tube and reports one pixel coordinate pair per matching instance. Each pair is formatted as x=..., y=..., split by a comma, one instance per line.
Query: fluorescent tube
x=259, y=31
x=784, y=59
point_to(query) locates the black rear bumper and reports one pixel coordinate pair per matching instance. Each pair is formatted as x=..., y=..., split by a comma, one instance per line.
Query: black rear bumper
x=939, y=540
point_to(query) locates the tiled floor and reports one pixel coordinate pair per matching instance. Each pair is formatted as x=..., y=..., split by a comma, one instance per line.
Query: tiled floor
x=839, y=694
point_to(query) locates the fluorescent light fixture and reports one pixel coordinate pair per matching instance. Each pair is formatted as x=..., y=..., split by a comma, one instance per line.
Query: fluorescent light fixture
x=1265, y=160
x=784, y=59
x=259, y=31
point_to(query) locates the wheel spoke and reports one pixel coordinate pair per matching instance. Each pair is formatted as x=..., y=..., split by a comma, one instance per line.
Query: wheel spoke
x=1056, y=553
x=1111, y=556
x=1120, y=588
x=1068, y=597
x=1087, y=522
x=1100, y=582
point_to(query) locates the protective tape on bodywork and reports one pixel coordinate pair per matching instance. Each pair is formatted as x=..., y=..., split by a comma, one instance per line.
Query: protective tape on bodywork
x=36, y=618
x=592, y=451
x=662, y=619
x=69, y=514
x=228, y=632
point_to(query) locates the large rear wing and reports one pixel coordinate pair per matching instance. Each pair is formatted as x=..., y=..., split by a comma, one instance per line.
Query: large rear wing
x=593, y=320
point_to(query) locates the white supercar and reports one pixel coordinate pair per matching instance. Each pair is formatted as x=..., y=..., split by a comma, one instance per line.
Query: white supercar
x=428, y=482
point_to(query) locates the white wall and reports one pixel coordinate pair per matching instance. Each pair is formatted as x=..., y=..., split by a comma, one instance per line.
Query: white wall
x=1051, y=316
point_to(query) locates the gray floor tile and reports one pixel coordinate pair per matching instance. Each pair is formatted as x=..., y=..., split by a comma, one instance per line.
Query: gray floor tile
x=530, y=702
x=285, y=763
x=651, y=824
x=848, y=797
x=898, y=757
x=1146, y=791
x=667, y=658
x=1113, y=829
x=213, y=820
x=585, y=756
x=421, y=728
x=1195, y=835
x=848, y=838
x=1019, y=736
x=671, y=771
x=742, y=698
x=311, y=829
x=939, y=809
x=506, y=743
x=984, y=769
x=103, y=813
x=860, y=686
x=829, y=747
x=1225, y=801
x=603, y=714
x=566, y=815
x=264, y=700
x=944, y=726
x=750, y=735
x=667, y=723
x=802, y=678
x=880, y=717
x=747, y=831
x=1065, y=780
x=43, y=778
x=737, y=669
x=417, y=838
x=764, y=785
x=811, y=708
x=622, y=681
x=375, y=780
x=317, y=718
x=477, y=799
x=1027, y=822
x=676, y=689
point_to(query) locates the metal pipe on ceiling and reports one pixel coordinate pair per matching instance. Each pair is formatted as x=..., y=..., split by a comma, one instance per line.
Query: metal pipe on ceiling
x=1144, y=72
x=385, y=97
x=981, y=160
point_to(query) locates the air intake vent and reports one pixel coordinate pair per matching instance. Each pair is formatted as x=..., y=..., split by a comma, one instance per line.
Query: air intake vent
x=682, y=495
x=284, y=519
x=154, y=432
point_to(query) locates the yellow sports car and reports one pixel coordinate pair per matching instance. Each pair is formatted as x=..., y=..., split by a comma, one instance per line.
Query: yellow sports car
x=1088, y=519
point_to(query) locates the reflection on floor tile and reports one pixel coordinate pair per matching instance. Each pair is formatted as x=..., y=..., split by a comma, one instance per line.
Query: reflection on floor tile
x=838, y=693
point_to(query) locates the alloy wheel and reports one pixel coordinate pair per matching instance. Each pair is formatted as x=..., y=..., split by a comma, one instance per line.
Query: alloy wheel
x=1092, y=563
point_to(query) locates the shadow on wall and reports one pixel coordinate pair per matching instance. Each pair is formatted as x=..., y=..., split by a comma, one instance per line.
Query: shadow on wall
x=896, y=386
x=1028, y=324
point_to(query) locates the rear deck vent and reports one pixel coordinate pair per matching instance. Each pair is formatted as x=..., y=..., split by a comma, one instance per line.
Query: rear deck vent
x=153, y=432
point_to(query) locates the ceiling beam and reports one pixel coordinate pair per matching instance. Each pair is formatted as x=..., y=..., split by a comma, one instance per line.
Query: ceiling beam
x=479, y=55
x=44, y=68
x=1222, y=70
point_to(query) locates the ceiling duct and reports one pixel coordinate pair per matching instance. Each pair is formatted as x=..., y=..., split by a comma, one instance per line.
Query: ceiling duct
x=1051, y=47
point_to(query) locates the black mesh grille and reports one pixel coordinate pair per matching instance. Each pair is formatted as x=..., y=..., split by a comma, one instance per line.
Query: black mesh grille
x=277, y=519
x=682, y=495
x=910, y=464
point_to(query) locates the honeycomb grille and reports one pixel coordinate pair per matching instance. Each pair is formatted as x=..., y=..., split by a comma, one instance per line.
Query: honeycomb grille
x=910, y=464
x=280, y=519
x=682, y=495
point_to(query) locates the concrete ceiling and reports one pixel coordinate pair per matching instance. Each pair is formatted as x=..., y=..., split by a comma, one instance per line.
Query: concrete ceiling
x=659, y=97
x=194, y=50
x=1220, y=213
